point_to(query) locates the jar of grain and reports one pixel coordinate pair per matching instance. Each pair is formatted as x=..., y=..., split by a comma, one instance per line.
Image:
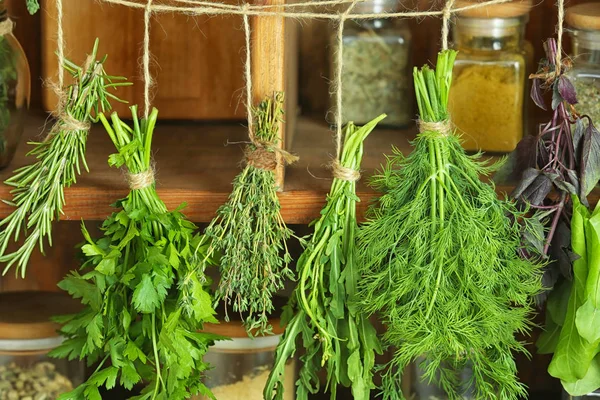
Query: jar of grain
x=26, y=337
x=15, y=87
x=241, y=366
x=584, y=21
x=489, y=85
x=377, y=68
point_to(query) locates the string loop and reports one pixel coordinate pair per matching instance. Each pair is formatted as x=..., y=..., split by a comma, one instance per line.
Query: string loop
x=6, y=27
x=141, y=180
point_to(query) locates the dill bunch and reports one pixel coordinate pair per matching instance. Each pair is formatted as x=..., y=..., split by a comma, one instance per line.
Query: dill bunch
x=249, y=232
x=439, y=260
x=38, y=194
x=143, y=288
x=335, y=335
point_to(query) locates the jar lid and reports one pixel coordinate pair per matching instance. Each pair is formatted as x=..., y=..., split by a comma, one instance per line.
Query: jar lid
x=584, y=16
x=511, y=9
x=26, y=315
x=240, y=341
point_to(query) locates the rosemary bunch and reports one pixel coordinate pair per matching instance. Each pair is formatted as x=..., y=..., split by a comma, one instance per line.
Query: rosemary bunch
x=143, y=287
x=38, y=194
x=334, y=334
x=249, y=231
x=439, y=260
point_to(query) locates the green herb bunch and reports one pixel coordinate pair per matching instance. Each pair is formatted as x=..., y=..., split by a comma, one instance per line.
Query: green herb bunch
x=249, y=232
x=32, y=6
x=143, y=287
x=334, y=333
x=38, y=194
x=572, y=327
x=439, y=260
x=8, y=74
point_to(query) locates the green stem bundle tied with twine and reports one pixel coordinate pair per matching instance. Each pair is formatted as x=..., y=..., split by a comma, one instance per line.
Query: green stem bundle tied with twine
x=38, y=194
x=248, y=231
x=143, y=288
x=440, y=263
x=334, y=334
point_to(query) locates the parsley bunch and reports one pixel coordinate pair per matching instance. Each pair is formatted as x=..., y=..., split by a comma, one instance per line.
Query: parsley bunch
x=334, y=333
x=439, y=257
x=143, y=287
x=250, y=233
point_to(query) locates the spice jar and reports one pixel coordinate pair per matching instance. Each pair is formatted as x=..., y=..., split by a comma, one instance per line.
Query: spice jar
x=376, y=74
x=584, y=21
x=489, y=85
x=26, y=337
x=595, y=395
x=15, y=86
x=241, y=366
x=422, y=389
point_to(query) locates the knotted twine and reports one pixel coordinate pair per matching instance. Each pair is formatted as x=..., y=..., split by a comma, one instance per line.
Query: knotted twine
x=6, y=27
x=294, y=10
x=141, y=180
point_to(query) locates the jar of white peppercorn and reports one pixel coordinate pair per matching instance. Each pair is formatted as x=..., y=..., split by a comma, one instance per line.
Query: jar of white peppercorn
x=27, y=335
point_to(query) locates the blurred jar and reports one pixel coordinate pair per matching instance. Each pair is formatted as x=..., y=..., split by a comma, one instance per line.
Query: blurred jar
x=422, y=389
x=584, y=21
x=241, y=366
x=15, y=87
x=487, y=100
x=26, y=337
x=591, y=396
x=377, y=67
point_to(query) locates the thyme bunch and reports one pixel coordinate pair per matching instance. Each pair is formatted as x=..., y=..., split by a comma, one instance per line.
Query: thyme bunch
x=249, y=232
x=439, y=260
x=143, y=288
x=335, y=335
x=38, y=188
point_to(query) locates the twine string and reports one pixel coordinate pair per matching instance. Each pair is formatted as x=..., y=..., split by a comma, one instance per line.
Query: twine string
x=148, y=81
x=141, y=180
x=344, y=173
x=447, y=14
x=6, y=27
x=559, y=35
x=443, y=128
x=248, y=75
x=60, y=39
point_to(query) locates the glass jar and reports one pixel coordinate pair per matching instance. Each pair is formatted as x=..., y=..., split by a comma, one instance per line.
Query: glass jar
x=489, y=85
x=376, y=75
x=422, y=389
x=26, y=337
x=584, y=21
x=595, y=395
x=15, y=87
x=241, y=366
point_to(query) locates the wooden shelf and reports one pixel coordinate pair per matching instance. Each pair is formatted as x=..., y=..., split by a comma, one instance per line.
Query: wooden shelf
x=197, y=162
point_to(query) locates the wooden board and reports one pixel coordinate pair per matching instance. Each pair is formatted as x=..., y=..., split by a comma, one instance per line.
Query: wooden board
x=197, y=61
x=195, y=165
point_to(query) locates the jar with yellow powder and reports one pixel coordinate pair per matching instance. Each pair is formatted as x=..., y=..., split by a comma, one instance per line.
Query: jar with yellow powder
x=584, y=23
x=488, y=95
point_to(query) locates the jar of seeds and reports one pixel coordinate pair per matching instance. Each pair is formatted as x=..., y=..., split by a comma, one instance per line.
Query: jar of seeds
x=26, y=336
x=584, y=21
x=376, y=76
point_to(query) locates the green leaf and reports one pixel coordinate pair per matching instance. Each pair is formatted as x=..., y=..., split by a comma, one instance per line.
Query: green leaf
x=129, y=376
x=548, y=339
x=588, y=322
x=92, y=393
x=79, y=288
x=202, y=303
x=94, y=331
x=106, y=377
x=107, y=266
x=173, y=256
x=145, y=298
x=92, y=250
x=132, y=352
x=587, y=384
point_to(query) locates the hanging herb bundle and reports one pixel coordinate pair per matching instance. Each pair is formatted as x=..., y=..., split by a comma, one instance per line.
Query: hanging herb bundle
x=334, y=333
x=32, y=6
x=439, y=257
x=38, y=194
x=249, y=231
x=143, y=287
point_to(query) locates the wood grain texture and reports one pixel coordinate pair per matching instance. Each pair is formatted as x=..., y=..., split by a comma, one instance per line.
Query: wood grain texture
x=197, y=62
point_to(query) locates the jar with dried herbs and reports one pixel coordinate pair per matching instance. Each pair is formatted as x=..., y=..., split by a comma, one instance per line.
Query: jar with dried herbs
x=241, y=366
x=27, y=335
x=376, y=75
x=584, y=21
x=489, y=87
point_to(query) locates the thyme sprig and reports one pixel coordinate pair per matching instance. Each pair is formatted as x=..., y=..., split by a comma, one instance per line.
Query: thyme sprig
x=334, y=333
x=38, y=194
x=249, y=231
x=137, y=284
x=439, y=260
